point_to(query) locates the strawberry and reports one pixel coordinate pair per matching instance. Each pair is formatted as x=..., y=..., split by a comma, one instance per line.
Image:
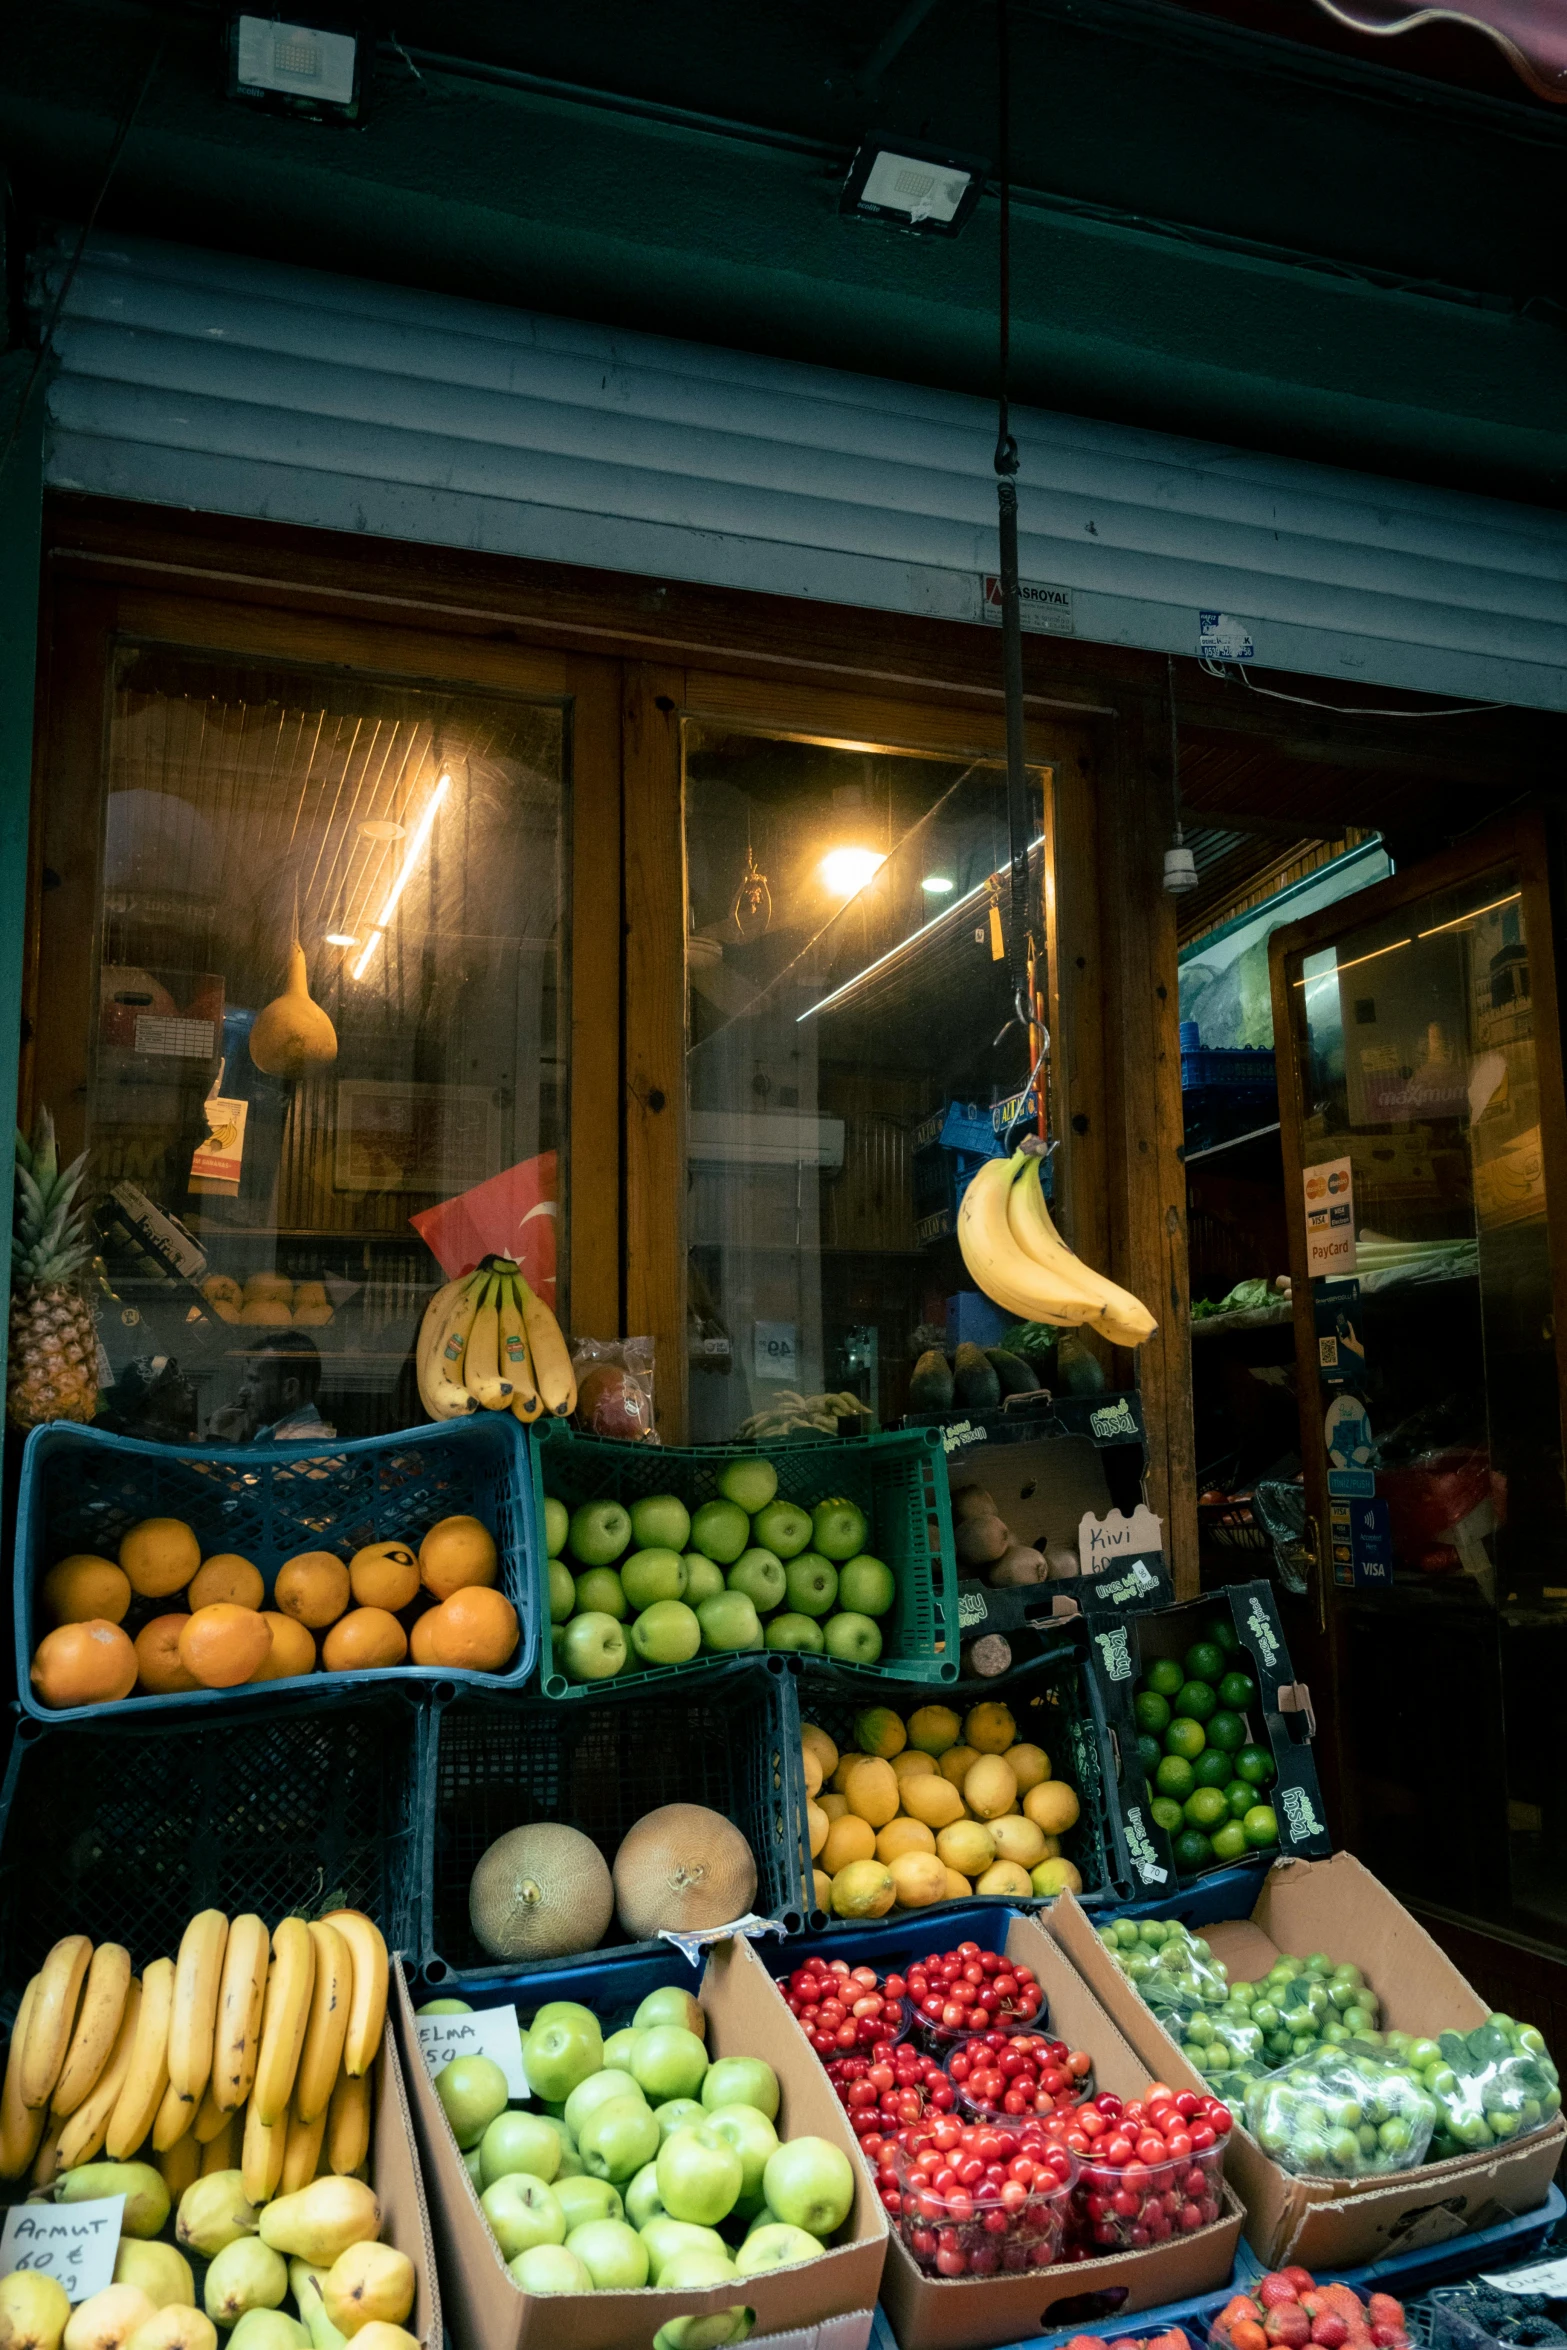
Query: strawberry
x=1275, y=2289
x=1383, y=2310
x=1237, y=2308
x=1329, y=2331
x=1301, y=2278
x=1288, y=2325
x=1248, y=2335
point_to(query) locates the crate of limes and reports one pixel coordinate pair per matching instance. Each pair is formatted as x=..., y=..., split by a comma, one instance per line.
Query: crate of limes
x=1214, y=1733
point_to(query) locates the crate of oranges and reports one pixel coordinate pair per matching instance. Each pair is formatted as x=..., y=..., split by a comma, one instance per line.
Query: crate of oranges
x=170, y=1575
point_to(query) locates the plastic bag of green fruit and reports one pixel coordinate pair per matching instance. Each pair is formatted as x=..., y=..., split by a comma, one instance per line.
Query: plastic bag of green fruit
x=1304, y=2002
x=1227, y=2049
x=1489, y=2086
x=1173, y=1969
x=1342, y=2112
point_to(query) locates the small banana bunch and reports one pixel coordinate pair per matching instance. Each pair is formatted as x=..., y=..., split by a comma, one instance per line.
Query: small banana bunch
x=788, y=1411
x=487, y=1342
x=1019, y=1259
x=248, y=2052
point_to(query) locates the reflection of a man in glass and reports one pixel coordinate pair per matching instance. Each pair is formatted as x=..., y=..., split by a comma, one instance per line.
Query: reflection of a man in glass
x=277, y=1395
x=1348, y=1337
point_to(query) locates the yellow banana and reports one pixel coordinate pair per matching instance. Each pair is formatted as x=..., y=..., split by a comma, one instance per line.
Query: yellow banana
x=53, y=2018
x=179, y=2165
x=97, y=2026
x=1113, y=1311
x=210, y=2118
x=348, y=2124
x=526, y=1401
x=553, y=1375
x=331, y=2001
x=446, y=1394
x=481, y=1358
x=237, y=2035
x=284, y=2015
x=997, y=1263
x=46, y=2169
x=367, y=2014
x=88, y=2126
x=302, y=2155
x=261, y=2154
x=174, y=2120
x=21, y=2126
x=432, y=1329
x=222, y=2152
x=147, y=2076
x=198, y=1978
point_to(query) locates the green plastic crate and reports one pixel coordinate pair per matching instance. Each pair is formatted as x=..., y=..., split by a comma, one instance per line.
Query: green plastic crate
x=899, y=1480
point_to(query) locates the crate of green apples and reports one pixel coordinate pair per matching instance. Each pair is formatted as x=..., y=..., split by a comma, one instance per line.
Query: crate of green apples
x=660, y=1560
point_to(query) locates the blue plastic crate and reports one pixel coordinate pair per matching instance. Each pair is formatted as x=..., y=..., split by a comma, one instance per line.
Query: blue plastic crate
x=81, y=1488
x=1403, y=2274
x=1223, y=1893
x=899, y=1480
x=1224, y=1067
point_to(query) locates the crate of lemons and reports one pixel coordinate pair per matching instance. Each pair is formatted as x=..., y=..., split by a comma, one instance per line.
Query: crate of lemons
x=937, y=1807
x=217, y=1627
x=229, y=2089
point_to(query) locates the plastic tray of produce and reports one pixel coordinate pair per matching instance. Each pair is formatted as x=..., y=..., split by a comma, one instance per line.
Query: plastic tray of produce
x=1054, y=1700
x=1492, y=2249
x=82, y=1488
x=129, y=1828
x=897, y=1480
x=498, y=1763
x=1098, y=2319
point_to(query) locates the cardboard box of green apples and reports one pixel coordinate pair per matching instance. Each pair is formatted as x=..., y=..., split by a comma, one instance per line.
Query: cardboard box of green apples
x=657, y=1560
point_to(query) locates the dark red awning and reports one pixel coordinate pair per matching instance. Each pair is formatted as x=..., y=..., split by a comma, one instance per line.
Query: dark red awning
x=1532, y=34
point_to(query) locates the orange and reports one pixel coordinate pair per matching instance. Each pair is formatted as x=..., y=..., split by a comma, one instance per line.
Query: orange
x=159, y=1672
x=84, y=1664
x=229, y=1577
x=419, y=1650
x=223, y=1644
x=160, y=1555
x=312, y=1588
x=293, y=1650
x=384, y=1574
x=83, y=1587
x=366, y=1637
x=476, y=1629
x=455, y=1553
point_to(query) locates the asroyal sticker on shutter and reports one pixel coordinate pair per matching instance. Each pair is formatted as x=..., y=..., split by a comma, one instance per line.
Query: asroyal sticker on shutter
x=1041, y=606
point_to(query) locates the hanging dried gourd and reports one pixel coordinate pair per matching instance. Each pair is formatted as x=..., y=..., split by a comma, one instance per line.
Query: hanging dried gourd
x=293, y=1035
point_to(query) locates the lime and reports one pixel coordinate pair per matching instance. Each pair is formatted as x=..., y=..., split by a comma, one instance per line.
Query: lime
x=1255, y=1763
x=1175, y=1777
x=1237, y=1691
x=1205, y=1807
x=1192, y=1850
x=1185, y=1737
x=1214, y=1770
x=1151, y=1711
x=1168, y=1814
x=1261, y=1825
x=1164, y=1675
x=1148, y=1753
x=1227, y=1731
x=1196, y=1699
x=1223, y=1635
x=1239, y=1796
x=1229, y=1842
x=1205, y=1661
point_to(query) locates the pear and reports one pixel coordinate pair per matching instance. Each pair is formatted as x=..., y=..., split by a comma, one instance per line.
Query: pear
x=246, y=2274
x=320, y=2221
x=162, y=2273
x=107, y=2320
x=368, y=2281
x=177, y=2326
x=214, y=2213
x=269, y=2329
x=146, y=2197
x=34, y=2310
x=378, y=2335
x=305, y=2284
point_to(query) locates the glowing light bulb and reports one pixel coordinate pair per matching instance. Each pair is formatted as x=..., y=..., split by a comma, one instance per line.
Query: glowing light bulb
x=846, y=871
x=936, y=885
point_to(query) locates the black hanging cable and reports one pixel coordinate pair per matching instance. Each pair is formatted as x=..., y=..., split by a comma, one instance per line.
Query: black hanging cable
x=1006, y=462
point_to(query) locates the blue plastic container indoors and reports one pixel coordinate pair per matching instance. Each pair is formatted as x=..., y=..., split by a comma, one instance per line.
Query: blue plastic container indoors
x=81, y=1488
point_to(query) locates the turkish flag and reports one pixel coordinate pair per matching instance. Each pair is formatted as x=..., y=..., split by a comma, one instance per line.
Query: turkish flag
x=511, y=1215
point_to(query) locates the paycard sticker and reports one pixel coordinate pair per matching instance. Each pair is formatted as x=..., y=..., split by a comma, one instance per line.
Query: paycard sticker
x=490, y=2031
x=1329, y=1198
x=75, y=2243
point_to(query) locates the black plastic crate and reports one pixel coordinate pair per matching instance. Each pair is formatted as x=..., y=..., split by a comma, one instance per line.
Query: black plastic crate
x=124, y=1830
x=497, y=1762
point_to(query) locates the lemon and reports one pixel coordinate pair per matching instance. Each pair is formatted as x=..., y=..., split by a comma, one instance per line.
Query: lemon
x=1053, y=1877
x=919, y=1878
x=1029, y=1764
x=990, y=1728
x=1006, y=1878
x=864, y=1889
x=967, y=1846
x=833, y=1804
x=822, y=1884
x=955, y=1763
x=816, y=1741
x=900, y=1836
x=1053, y=1806
x=1018, y=1839
x=811, y=1764
x=935, y=1800
x=880, y=1731
x=819, y=1825
x=934, y=1728
x=911, y=1764
x=848, y=1840
x=990, y=1789
x=958, y=1886
x=872, y=1789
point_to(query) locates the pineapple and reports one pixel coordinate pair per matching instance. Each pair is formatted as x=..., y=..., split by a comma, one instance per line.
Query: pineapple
x=52, y=1368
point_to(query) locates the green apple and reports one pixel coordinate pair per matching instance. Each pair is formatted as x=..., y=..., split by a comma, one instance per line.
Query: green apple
x=570, y=2163
x=582, y=2199
x=662, y=1522
x=619, y=2046
x=666, y=2237
x=865, y=1586
x=838, y=1528
x=600, y=1531
x=667, y=1633
x=754, y=2139
x=750, y=1485
x=617, y=2138
x=760, y=1576
x=720, y=1531
x=563, y=1591
x=729, y=1622
x=762, y=2218
x=742, y=2080
x=650, y=1575
x=852, y=1639
x=675, y=2112
x=668, y=2062
x=811, y=1583
x=597, y=2090
x=795, y=1634
x=474, y=2166
x=601, y=1588
x=522, y=2212
x=520, y=2141
x=614, y=2255
x=472, y=2091
x=557, y=1525
x=445, y=2007
x=776, y=2246
x=704, y=1580
x=568, y=2011
x=718, y=2332
x=672, y=2003
x=643, y=2200
x=784, y=1527
x=810, y=2185
x=593, y=1647
x=549, y=2268
x=688, y=2272
x=699, y=2174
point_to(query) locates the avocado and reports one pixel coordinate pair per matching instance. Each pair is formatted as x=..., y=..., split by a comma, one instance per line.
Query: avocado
x=930, y=1389
x=974, y=1382
x=1016, y=1376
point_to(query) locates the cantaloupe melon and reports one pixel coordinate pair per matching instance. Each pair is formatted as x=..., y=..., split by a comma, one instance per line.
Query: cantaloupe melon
x=543, y=1891
x=682, y=1867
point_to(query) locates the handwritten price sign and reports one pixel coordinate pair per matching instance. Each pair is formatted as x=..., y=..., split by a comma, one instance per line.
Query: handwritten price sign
x=75, y=2243
x=491, y=2031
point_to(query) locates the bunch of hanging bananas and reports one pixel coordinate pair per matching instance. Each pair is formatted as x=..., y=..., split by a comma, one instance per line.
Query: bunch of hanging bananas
x=250, y=2051
x=788, y=1411
x=487, y=1342
x=1020, y=1260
